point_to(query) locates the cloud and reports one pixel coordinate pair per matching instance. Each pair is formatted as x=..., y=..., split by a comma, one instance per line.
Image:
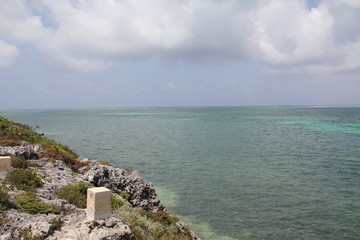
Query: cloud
x=8, y=54
x=292, y=38
x=285, y=36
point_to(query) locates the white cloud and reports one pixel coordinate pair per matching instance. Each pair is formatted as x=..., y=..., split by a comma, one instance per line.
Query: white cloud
x=8, y=53
x=286, y=36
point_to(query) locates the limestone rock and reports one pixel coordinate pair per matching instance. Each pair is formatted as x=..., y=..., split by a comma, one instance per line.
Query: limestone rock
x=38, y=225
x=56, y=175
x=76, y=226
x=142, y=194
x=28, y=151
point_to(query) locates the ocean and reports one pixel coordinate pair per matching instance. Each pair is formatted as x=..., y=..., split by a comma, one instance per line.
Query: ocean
x=230, y=172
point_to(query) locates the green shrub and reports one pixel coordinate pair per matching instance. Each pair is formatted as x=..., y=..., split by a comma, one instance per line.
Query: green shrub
x=75, y=194
x=25, y=234
x=9, y=143
x=82, y=187
x=4, y=200
x=116, y=202
x=24, y=179
x=19, y=162
x=125, y=195
x=56, y=224
x=153, y=226
x=29, y=203
x=164, y=218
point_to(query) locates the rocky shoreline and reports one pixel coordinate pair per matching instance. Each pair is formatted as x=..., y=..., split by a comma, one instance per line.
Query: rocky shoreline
x=56, y=174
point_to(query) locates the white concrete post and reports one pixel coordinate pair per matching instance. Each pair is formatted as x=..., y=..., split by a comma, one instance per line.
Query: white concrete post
x=98, y=203
x=5, y=163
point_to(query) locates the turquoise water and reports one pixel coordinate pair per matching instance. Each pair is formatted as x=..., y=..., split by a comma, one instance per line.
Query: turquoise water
x=231, y=173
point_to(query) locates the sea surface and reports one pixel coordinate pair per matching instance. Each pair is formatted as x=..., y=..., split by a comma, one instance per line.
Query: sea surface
x=230, y=172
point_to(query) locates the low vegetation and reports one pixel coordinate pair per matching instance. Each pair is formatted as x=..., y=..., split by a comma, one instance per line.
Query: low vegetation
x=104, y=163
x=11, y=133
x=25, y=234
x=75, y=194
x=9, y=143
x=56, y=224
x=29, y=203
x=125, y=195
x=153, y=226
x=116, y=202
x=4, y=200
x=19, y=162
x=24, y=179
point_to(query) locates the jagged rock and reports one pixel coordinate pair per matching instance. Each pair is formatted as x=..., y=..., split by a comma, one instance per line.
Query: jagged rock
x=28, y=151
x=38, y=225
x=142, y=194
x=56, y=175
x=76, y=226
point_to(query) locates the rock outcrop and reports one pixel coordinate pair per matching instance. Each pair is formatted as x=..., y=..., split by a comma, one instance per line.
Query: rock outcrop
x=75, y=227
x=142, y=194
x=78, y=227
x=55, y=174
x=28, y=151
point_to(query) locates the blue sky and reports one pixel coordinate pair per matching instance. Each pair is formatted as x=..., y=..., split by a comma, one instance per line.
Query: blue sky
x=137, y=53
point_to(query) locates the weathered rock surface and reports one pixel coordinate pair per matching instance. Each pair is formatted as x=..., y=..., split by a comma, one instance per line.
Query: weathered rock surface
x=57, y=175
x=28, y=151
x=142, y=194
x=75, y=227
x=78, y=227
x=37, y=224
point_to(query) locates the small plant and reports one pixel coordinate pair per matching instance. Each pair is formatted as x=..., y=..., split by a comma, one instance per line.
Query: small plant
x=9, y=143
x=85, y=163
x=25, y=234
x=104, y=163
x=42, y=177
x=4, y=221
x=4, y=200
x=125, y=195
x=153, y=226
x=56, y=224
x=29, y=203
x=75, y=194
x=164, y=218
x=19, y=162
x=116, y=202
x=24, y=179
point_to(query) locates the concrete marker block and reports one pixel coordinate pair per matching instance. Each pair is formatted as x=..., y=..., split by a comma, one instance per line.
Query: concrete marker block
x=5, y=163
x=98, y=203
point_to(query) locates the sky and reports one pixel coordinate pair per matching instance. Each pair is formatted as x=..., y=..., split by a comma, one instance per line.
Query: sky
x=164, y=53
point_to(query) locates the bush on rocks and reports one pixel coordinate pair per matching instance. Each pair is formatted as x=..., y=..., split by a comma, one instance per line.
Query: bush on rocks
x=25, y=234
x=56, y=224
x=4, y=200
x=153, y=226
x=9, y=143
x=29, y=203
x=75, y=194
x=24, y=179
x=19, y=162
